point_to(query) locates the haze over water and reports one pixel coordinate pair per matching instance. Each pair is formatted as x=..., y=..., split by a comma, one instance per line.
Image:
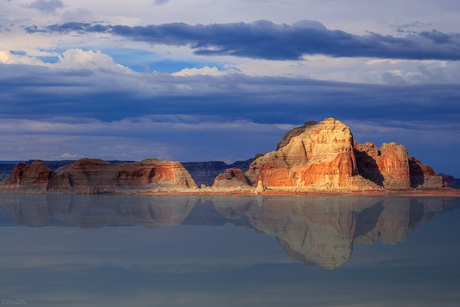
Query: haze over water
x=119, y=250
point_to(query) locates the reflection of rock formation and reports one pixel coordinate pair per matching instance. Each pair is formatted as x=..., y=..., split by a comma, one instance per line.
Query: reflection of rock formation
x=316, y=230
x=94, y=211
x=323, y=230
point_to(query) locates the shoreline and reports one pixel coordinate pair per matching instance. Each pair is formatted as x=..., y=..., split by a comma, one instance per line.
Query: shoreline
x=449, y=192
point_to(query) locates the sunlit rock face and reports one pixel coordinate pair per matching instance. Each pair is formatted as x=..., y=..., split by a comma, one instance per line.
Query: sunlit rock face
x=324, y=157
x=95, y=176
x=318, y=155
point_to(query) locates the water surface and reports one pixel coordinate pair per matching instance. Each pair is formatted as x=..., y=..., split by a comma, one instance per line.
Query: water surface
x=141, y=250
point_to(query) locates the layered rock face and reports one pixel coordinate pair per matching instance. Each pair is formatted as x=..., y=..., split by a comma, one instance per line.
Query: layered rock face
x=324, y=157
x=96, y=176
x=321, y=156
x=36, y=176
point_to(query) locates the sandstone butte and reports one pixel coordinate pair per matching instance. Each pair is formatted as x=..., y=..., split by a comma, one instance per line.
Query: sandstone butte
x=315, y=157
x=324, y=157
x=92, y=176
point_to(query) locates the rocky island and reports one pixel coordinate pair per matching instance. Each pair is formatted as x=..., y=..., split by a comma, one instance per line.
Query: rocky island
x=317, y=157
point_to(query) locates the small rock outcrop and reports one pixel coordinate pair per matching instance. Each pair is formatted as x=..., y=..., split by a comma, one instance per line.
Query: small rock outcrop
x=231, y=178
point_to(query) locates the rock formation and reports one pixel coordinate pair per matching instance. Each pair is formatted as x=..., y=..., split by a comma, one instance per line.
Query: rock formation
x=36, y=176
x=387, y=166
x=320, y=157
x=314, y=157
x=324, y=157
x=98, y=176
x=231, y=178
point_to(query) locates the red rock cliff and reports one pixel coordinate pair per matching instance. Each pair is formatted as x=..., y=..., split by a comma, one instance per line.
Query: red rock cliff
x=321, y=156
x=324, y=157
x=95, y=176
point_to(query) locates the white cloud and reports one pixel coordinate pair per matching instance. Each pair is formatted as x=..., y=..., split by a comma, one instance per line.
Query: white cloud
x=6, y=57
x=79, y=59
x=212, y=71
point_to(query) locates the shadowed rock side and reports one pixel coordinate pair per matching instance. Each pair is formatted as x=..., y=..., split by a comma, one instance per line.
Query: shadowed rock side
x=91, y=176
x=324, y=157
x=316, y=230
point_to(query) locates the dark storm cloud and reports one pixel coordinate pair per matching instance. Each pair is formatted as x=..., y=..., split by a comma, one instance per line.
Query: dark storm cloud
x=45, y=6
x=33, y=92
x=266, y=40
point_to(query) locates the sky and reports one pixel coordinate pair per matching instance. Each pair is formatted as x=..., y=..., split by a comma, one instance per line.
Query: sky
x=209, y=80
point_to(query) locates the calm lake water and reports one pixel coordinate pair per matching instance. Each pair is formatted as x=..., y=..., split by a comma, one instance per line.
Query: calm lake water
x=140, y=250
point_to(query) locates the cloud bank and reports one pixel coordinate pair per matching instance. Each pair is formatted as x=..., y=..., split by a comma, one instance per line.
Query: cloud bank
x=266, y=40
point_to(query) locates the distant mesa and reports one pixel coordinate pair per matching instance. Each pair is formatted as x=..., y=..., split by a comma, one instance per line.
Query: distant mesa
x=450, y=181
x=315, y=157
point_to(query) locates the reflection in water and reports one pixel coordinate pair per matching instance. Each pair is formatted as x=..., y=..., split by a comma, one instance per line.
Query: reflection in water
x=316, y=230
